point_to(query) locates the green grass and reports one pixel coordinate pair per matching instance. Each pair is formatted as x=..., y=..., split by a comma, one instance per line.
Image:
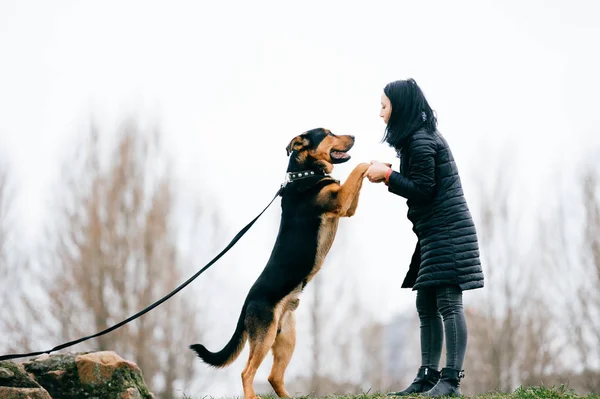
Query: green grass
x=522, y=393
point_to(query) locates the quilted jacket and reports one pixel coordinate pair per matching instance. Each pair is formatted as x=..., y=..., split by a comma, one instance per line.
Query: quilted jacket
x=447, y=251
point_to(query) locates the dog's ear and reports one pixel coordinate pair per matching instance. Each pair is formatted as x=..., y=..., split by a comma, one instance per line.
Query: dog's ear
x=297, y=143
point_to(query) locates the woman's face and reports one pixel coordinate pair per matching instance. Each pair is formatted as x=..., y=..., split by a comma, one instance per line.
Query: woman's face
x=386, y=108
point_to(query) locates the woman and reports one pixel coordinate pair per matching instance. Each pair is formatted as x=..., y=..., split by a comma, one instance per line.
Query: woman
x=446, y=260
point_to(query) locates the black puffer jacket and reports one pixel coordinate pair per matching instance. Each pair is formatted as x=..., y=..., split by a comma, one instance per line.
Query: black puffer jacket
x=447, y=251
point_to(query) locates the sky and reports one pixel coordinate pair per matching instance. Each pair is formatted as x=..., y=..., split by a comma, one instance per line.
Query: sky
x=514, y=84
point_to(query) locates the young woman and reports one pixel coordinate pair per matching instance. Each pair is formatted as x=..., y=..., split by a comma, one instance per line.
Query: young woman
x=446, y=259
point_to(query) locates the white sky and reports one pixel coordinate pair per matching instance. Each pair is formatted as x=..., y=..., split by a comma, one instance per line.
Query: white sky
x=229, y=80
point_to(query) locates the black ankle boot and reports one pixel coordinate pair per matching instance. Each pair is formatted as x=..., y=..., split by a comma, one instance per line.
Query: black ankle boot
x=426, y=379
x=448, y=384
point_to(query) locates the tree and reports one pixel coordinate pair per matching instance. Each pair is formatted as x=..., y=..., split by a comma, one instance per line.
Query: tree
x=19, y=309
x=576, y=247
x=510, y=327
x=337, y=320
x=588, y=334
x=114, y=252
x=569, y=245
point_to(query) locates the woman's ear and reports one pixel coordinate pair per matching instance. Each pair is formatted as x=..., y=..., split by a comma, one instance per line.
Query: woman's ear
x=297, y=144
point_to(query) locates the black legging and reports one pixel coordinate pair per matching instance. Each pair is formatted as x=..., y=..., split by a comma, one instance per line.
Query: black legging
x=434, y=305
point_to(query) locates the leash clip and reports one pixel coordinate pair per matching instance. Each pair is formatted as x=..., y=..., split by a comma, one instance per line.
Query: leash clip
x=286, y=180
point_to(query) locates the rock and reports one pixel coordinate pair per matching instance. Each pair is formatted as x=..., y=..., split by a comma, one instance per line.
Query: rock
x=130, y=393
x=52, y=372
x=73, y=375
x=99, y=367
x=5, y=373
x=23, y=393
x=44, y=356
x=56, y=373
x=15, y=376
x=16, y=383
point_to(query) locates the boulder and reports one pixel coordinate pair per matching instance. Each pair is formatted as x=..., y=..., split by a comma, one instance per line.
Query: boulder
x=92, y=375
x=15, y=383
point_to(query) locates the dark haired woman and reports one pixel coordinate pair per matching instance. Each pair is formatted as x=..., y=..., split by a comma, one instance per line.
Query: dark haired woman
x=446, y=259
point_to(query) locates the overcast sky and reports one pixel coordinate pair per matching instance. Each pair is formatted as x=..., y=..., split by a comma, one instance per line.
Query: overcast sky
x=514, y=83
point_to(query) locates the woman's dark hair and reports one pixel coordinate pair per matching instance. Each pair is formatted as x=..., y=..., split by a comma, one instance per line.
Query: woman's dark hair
x=410, y=112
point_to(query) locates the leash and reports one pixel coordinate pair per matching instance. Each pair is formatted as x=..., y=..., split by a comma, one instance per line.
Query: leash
x=160, y=301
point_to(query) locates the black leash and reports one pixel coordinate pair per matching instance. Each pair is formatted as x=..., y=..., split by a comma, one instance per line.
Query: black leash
x=155, y=304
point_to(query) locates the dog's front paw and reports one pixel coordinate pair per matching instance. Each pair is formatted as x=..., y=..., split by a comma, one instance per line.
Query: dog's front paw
x=362, y=167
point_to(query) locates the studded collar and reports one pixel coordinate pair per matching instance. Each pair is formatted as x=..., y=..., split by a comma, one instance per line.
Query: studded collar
x=291, y=177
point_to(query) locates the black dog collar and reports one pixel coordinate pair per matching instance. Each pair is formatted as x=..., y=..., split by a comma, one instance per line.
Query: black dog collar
x=291, y=177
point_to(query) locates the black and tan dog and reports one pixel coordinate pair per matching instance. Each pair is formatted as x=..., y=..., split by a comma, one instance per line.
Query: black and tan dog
x=312, y=203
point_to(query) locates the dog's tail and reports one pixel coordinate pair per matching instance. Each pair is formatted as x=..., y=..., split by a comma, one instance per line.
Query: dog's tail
x=230, y=352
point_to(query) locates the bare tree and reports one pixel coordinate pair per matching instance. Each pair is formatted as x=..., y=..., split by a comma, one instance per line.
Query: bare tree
x=374, y=366
x=6, y=268
x=335, y=317
x=497, y=228
x=510, y=329
x=581, y=273
x=114, y=252
x=9, y=318
x=589, y=294
x=5, y=225
x=19, y=308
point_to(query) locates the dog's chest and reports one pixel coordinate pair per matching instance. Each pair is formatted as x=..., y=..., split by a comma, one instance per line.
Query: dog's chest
x=325, y=238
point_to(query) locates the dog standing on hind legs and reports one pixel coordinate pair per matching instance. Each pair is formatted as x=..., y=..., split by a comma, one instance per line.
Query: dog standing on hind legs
x=312, y=203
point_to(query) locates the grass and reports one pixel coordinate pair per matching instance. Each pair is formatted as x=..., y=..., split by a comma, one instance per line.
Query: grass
x=522, y=393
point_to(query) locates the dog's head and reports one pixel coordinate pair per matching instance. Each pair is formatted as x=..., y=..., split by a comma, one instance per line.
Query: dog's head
x=321, y=148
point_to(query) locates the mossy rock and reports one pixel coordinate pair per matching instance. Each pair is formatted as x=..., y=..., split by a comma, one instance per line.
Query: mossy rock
x=16, y=383
x=23, y=393
x=88, y=374
x=14, y=375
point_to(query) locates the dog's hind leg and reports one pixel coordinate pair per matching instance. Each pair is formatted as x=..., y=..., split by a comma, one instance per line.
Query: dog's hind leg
x=262, y=331
x=282, y=352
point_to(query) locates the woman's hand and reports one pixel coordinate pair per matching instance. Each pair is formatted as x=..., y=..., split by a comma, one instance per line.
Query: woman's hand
x=377, y=171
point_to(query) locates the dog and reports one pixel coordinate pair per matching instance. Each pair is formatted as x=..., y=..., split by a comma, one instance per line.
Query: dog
x=312, y=203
